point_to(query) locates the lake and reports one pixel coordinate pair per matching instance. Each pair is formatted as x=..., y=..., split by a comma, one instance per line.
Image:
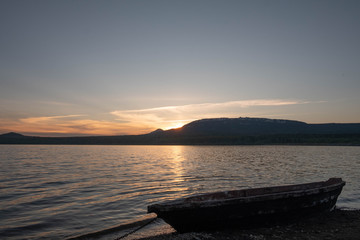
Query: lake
x=56, y=191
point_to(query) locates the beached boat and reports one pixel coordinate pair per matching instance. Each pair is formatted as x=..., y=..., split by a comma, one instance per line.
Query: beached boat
x=251, y=207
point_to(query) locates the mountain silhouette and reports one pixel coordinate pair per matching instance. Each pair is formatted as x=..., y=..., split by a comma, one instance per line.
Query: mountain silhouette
x=264, y=126
x=12, y=135
x=219, y=131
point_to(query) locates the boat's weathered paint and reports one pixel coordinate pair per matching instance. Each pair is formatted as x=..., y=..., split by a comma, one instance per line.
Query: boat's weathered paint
x=248, y=207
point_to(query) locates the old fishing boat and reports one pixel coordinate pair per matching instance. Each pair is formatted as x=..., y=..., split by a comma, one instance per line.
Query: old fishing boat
x=248, y=207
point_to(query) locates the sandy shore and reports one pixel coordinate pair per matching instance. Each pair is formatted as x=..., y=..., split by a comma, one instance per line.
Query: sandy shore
x=338, y=224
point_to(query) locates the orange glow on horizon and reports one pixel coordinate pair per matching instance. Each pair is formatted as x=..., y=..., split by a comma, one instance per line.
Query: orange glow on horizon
x=57, y=126
x=135, y=121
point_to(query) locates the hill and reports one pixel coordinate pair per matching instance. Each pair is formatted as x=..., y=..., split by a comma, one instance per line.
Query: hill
x=264, y=126
x=219, y=131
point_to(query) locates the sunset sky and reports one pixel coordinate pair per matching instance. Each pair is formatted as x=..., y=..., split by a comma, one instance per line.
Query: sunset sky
x=76, y=67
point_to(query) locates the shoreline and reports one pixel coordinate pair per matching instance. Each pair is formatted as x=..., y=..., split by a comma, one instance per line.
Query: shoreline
x=337, y=224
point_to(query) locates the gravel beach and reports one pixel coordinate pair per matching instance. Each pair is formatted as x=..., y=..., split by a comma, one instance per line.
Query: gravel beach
x=338, y=224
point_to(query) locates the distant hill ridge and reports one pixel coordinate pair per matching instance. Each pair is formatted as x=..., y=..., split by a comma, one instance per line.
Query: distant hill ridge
x=264, y=126
x=12, y=135
x=243, y=126
x=219, y=131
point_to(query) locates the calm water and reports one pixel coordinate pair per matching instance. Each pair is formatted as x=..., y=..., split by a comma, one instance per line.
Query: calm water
x=55, y=192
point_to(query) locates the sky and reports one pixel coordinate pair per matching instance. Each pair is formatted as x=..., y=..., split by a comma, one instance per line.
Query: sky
x=75, y=67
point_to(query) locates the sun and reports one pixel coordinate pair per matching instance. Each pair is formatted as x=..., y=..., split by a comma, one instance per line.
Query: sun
x=178, y=125
x=174, y=125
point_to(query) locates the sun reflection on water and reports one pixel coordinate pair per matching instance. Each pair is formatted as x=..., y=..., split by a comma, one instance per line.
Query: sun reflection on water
x=173, y=167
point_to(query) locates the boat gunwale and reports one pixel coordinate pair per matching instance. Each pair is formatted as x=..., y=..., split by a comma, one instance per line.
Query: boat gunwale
x=184, y=203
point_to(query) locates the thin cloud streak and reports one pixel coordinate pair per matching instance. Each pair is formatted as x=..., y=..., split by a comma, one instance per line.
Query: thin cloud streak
x=46, y=119
x=242, y=104
x=167, y=116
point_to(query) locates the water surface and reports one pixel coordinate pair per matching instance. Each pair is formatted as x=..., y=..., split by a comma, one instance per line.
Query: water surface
x=54, y=192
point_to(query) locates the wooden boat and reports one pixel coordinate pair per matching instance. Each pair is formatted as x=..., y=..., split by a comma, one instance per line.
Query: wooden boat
x=247, y=208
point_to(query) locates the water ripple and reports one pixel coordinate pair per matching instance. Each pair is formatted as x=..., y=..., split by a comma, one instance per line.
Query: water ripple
x=54, y=192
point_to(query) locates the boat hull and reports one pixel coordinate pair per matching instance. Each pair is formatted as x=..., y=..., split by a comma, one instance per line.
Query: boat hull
x=248, y=212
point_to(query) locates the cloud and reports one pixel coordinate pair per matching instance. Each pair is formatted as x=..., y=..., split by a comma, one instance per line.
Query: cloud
x=46, y=119
x=142, y=121
x=73, y=125
x=167, y=116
